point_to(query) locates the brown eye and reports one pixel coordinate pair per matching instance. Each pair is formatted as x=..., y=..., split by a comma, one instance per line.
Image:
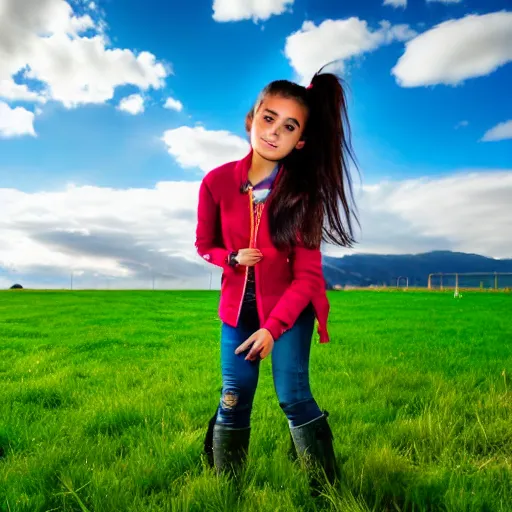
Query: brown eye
x=290, y=128
x=268, y=119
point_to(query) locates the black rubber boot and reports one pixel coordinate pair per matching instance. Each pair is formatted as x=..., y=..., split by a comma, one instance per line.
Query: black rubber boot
x=314, y=444
x=230, y=449
x=208, y=440
x=292, y=452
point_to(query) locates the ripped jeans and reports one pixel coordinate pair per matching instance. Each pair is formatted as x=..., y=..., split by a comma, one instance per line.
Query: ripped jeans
x=290, y=370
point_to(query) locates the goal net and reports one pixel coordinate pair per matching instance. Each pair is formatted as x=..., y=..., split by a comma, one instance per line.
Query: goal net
x=470, y=281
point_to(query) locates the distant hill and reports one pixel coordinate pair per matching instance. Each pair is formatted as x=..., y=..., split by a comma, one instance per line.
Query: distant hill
x=376, y=269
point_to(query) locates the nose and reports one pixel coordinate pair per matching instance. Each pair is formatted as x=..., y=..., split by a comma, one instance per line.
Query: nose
x=274, y=131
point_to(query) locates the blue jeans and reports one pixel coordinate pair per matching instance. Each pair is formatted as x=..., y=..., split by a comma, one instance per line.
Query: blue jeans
x=290, y=370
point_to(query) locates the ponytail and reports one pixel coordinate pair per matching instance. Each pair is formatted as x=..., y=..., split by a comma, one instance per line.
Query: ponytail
x=312, y=197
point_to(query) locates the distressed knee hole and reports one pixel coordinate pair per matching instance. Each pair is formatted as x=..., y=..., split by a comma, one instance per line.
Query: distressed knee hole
x=229, y=399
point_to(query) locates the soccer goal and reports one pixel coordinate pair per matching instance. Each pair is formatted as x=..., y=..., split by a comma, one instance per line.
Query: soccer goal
x=470, y=281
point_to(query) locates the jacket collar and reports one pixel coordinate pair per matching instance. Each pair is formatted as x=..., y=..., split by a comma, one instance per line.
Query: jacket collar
x=243, y=166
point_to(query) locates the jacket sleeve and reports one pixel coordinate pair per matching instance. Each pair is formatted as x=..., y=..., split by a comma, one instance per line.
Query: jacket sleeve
x=307, y=279
x=208, y=220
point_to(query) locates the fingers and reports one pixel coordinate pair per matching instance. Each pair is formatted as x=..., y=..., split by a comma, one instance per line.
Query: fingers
x=252, y=250
x=250, y=257
x=260, y=349
x=251, y=262
x=266, y=351
x=249, y=253
x=254, y=353
x=245, y=345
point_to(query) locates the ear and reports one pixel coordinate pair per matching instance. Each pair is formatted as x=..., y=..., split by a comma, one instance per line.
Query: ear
x=248, y=122
x=300, y=144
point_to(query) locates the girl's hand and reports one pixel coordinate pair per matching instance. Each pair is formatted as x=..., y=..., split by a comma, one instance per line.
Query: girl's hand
x=262, y=344
x=249, y=257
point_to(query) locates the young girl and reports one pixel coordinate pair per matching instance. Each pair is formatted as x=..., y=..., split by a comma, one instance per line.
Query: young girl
x=262, y=220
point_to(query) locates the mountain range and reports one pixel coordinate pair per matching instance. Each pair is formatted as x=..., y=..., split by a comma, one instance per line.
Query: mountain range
x=384, y=270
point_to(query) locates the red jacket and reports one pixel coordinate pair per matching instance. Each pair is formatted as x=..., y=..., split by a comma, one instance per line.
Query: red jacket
x=286, y=281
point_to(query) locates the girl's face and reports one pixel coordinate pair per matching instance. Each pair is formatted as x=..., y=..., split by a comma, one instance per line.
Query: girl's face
x=277, y=127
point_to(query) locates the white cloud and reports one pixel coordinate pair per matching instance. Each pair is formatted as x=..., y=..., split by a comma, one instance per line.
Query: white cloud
x=456, y=50
x=10, y=90
x=445, y=1
x=396, y=3
x=461, y=124
x=206, y=149
x=81, y=24
x=43, y=38
x=173, y=104
x=236, y=10
x=133, y=104
x=127, y=234
x=501, y=131
x=313, y=46
x=15, y=121
x=467, y=212
x=122, y=234
x=87, y=72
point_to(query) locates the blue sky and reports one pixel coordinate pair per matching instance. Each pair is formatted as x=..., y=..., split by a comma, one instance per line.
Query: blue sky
x=427, y=81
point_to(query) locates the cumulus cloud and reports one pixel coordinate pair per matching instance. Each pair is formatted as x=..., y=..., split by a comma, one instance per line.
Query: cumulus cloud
x=206, y=149
x=313, y=46
x=229, y=10
x=45, y=40
x=501, y=131
x=466, y=211
x=128, y=237
x=396, y=3
x=456, y=50
x=10, y=90
x=133, y=104
x=173, y=104
x=125, y=235
x=15, y=121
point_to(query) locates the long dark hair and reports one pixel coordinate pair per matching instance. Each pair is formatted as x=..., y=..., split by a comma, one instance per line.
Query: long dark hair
x=305, y=203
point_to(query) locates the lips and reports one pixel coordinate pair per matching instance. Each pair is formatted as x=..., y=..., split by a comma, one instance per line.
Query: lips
x=269, y=144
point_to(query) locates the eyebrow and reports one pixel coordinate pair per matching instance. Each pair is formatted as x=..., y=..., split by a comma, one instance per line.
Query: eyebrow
x=292, y=119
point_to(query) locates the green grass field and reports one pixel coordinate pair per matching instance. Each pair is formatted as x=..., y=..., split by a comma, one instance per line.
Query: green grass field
x=105, y=397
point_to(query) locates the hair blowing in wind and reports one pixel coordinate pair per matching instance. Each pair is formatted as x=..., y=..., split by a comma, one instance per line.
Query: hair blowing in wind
x=312, y=200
